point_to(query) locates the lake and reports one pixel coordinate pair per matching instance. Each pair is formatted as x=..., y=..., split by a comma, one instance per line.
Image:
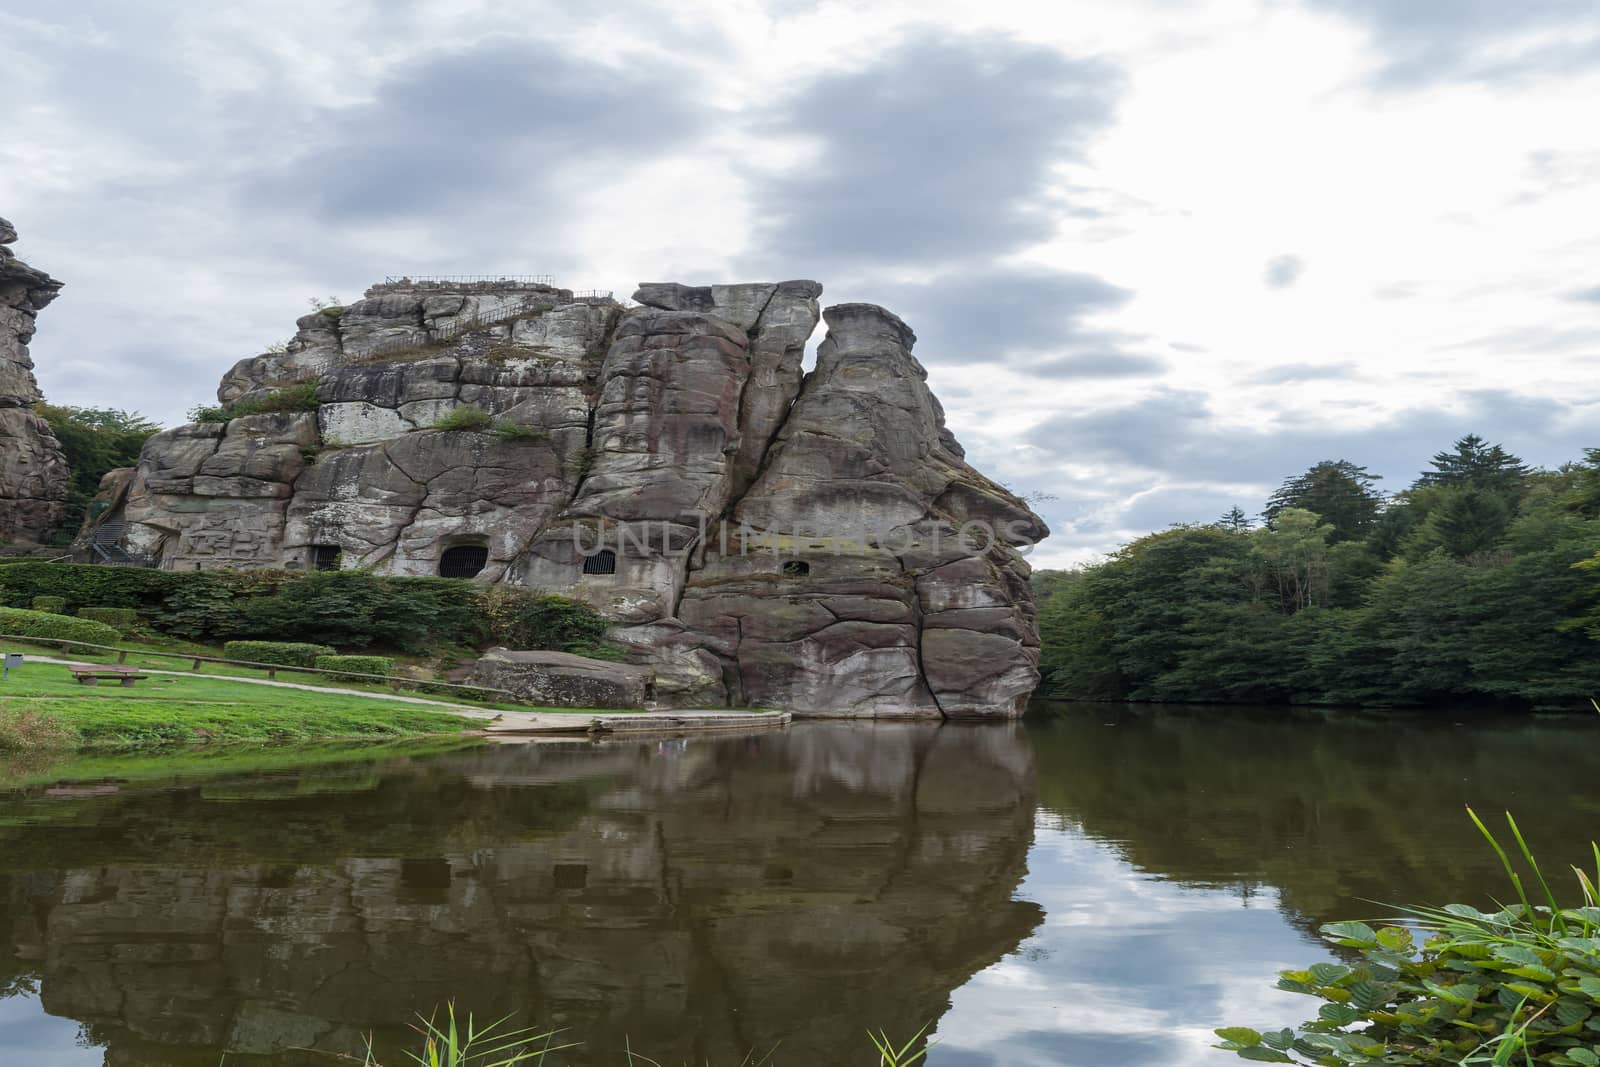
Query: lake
x=1096, y=886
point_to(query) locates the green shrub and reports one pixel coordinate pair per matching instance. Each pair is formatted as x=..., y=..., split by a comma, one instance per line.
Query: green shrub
x=123, y=619
x=357, y=609
x=55, y=604
x=16, y=622
x=466, y=417
x=355, y=664
x=302, y=397
x=285, y=653
x=518, y=618
x=299, y=397
x=208, y=413
x=347, y=609
x=1513, y=986
x=519, y=434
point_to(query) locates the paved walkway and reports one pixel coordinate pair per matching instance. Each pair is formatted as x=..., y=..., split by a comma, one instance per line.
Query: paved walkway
x=577, y=721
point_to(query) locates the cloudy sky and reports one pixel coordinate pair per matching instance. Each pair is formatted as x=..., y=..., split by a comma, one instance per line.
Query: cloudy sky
x=1159, y=254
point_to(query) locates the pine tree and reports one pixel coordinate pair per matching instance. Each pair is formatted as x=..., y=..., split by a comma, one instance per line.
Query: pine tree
x=1235, y=520
x=1338, y=491
x=1475, y=464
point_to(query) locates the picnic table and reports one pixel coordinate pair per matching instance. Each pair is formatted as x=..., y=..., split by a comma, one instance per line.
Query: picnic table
x=90, y=673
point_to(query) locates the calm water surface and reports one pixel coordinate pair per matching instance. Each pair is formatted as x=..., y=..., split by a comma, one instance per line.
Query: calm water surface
x=1099, y=888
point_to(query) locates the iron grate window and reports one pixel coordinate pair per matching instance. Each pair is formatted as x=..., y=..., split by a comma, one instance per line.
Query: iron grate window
x=326, y=557
x=602, y=562
x=463, y=561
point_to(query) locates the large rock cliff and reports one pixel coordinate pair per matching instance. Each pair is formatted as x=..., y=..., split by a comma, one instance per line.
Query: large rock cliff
x=33, y=471
x=759, y=535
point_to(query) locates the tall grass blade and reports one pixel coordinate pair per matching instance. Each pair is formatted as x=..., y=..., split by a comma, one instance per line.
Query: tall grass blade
x=1533, y=864
x=1505, y=860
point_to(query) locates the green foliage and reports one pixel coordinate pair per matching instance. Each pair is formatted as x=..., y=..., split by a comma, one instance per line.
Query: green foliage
x=357, y=609
x=122, y=619
x=1481, y=584
x=1517, y=985
x=1474, y=463
x=347, y=609
x=355, y=664
x=19, y=623
x=95, y=441
x=55, y=604
x=301, y=397
x=466, y=417
x=1337, y=490
x=288, y=653
x=518, y=433
x=521, y=619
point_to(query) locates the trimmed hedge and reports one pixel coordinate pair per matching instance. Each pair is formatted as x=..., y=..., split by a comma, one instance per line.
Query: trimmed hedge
x=55, y=604
x=123, y=619
x=285, y=653
x=355, y=664
x=19, y=622
x=346, y=609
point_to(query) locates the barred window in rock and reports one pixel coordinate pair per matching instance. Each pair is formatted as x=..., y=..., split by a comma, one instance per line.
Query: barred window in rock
x=463, y=561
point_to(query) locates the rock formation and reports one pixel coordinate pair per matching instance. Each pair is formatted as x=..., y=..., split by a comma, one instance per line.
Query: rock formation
x=758, y=535
x=33, y=471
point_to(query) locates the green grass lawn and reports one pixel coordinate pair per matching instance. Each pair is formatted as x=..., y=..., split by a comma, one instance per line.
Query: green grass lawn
x=165, y=709
x=175, y=651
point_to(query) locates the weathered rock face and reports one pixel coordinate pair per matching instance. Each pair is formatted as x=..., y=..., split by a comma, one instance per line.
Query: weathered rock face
x=759, y=536
x=33, y=471
x=562, y=680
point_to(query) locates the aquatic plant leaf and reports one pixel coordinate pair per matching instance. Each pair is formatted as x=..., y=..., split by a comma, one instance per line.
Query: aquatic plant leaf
x=1262, y=1055
x=1282, y=1040
x=1353, y=934
x=1369, y=996
x=1239, y=1035
x=1339, y=1014
x=1329, y=973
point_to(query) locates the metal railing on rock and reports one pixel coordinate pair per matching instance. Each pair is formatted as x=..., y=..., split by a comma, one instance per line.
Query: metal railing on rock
x=428, y=281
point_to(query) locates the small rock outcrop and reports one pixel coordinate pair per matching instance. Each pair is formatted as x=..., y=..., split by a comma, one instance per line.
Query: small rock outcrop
x=562, y=680
x=759, y=536
x=33, y=471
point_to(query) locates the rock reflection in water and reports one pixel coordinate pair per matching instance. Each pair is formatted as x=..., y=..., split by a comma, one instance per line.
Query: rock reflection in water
x=703, y=898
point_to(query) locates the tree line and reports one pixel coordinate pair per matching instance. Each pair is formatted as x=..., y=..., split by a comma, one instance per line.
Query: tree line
x=1478, y=583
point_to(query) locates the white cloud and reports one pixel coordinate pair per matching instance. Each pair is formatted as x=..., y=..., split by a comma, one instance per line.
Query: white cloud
x=194, y=173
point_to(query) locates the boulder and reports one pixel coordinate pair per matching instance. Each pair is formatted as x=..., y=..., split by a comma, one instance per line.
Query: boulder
x=563, y=680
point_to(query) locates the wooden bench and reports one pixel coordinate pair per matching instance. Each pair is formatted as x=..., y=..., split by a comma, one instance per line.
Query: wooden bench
x=90, y=674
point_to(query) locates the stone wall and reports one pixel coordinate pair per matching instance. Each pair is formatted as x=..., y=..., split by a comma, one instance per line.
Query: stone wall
x=33, y=471
x=779, y=539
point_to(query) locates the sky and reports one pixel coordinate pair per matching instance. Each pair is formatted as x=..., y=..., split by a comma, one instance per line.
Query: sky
x=1159, y=255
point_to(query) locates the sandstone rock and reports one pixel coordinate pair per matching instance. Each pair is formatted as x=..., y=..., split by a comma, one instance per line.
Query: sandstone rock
x=562, y=680
x=33, y=470
x=820, y=546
